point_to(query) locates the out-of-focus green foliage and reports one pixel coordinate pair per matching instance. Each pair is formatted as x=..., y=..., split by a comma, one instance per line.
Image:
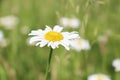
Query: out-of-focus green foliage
x=19, y=61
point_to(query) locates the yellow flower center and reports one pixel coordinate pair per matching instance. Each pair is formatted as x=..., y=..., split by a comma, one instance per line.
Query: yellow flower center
x=100, y=78
x=79, y=42
x=53, y=36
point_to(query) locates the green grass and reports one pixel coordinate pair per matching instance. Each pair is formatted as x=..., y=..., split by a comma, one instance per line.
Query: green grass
x=19, y=61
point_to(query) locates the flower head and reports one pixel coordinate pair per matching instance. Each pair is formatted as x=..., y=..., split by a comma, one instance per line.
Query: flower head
x=69, y=22
x=9, y=22
x=98, y=77
x=52, y=37
x=80, y=44
x=116, y=64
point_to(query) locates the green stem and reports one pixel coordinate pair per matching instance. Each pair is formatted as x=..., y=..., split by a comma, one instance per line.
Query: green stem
x=48, y=64
x=85, y=65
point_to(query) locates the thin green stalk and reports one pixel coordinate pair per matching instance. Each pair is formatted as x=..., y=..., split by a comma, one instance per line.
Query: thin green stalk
x=48, y=64
x=85, y=64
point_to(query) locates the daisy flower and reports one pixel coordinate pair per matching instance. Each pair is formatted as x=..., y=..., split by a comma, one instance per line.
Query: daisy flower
x=9, y=22
x=98, y=77
x=52, y=37
x=80, y=44
x=69, y=22
x=116, y=64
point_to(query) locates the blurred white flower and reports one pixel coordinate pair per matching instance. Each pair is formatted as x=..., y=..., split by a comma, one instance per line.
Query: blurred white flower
x=116, y=64
x=69, y=22
x=1, y=35
x=9, y=22
x=74, y=22
x=98, y=77
x=3, y=41
x=64, y=21
x=80, y=44
x=52, y=37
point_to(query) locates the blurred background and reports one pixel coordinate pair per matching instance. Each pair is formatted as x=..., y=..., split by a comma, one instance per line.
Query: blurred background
x=97, y=21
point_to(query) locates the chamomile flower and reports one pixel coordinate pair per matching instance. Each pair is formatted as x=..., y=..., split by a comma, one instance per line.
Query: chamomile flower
x=98, y=77
x=69, y=22
x=80, y=44
x=9, y=22
x=116, y=64
x=52, y=37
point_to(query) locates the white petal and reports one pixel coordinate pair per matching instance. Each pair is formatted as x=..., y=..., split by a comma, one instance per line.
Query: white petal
x=70, y=36
x=73, y=36
x=66, y=41
x=57, y=28
x=36, y=32
x=34, y=39
x=66, y=46
x=66, y=35
x=43, y=43
x=48, y=28
x=50, y=43
x=38, y=43
x=55, y=45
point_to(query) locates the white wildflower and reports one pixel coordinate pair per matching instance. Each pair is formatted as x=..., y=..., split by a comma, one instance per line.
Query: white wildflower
x=52, y=37
x=69, y=22
x=80, y=44
x=116, y=64
x=9, y=22
x=98, y=77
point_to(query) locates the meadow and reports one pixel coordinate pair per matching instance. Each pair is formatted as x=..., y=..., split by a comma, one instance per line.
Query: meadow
x=99, y=24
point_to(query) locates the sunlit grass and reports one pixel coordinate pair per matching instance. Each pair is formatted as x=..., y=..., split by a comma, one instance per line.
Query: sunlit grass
x=21, y=61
